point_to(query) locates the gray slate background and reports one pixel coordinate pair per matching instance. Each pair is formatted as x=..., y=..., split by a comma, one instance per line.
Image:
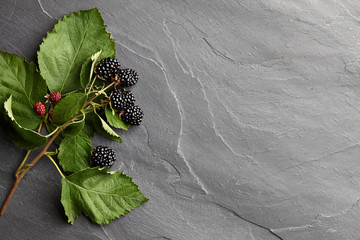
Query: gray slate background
x=252, y=121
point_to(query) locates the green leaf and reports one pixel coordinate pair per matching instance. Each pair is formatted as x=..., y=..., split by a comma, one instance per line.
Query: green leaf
x=114, y=119
x=74, y=152
x=85, y=72
x=67, y=47
x=87, y=69
x=89, y=128
x=74, y=129
x=23, y=137
x=21, y=80
x=100, y=195
x=68, y=107
x=106, y=130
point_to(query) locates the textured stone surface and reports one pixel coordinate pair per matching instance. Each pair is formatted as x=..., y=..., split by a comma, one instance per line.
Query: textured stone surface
x=251, y=128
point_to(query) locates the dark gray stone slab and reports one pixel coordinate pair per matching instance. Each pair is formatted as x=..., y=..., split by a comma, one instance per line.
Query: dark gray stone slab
x=251, y=127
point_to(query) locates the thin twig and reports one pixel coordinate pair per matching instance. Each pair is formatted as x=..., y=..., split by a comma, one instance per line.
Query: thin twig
x=23, y=162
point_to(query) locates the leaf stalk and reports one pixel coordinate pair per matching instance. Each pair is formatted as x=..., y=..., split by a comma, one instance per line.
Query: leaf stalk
x=57, y=167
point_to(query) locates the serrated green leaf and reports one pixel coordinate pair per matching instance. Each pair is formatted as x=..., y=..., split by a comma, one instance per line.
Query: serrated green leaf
x=114, y=120
x=68, y=107
x=74, y=128
x=100, y=195
x=87, y=69
x=66, y=48
x=74, y=152
x=23, y=137
x=21, y=80
x=109, y=132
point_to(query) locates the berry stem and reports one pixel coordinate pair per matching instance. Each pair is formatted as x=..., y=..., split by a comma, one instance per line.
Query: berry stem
x=23, y=162
x=52, y=133
x=57, y=167
x=43, y=126
x=40, y=127
x=97, y=94
x=95, y=104
x=52, y=153
x=16, y=183
x=45, y=120
x=92, y=84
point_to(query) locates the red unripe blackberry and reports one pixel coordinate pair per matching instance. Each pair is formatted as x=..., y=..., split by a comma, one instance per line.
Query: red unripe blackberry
x=39, y=108
x=107, y=68
x=128, y=77
x=122, y=100
x=103, y=156
x=133, y=115
x=55, y=97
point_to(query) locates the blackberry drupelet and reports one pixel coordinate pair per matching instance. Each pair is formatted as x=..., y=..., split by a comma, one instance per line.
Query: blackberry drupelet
x=103, y=156
x=39, y=108
x=133, y=115
x=122, y=100
x=107, y=68
x=128, y=77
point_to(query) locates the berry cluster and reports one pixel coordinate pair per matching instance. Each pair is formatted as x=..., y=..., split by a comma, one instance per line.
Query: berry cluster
x=124, y=101
x=103, y=156
x=53, y=97
x=121, y=100
x=109, y=69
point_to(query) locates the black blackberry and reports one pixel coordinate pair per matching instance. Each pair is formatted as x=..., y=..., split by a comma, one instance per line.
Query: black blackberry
x=107, y=68
x=128, y=77
x=122, y=100
x=103, y=156
x=133, y=115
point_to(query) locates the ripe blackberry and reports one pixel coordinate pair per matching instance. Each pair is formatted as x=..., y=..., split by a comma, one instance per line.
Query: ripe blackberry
x=128, y=77
x=133, y=115
x=39, y=108
x=54, y=97
x=103, y=156
x=122, y=100
x=107, y=68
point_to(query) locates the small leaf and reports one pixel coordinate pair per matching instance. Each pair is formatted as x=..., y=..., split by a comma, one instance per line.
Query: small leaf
x=109, y=132
x=114, y=120
x=74, y=129
x=85, y=72
x=23, y=137
x=87, y=69
x=21, y=80
x=68, y=107
x=89, y=128
x=67, y=47
x=100, y=195
x=74, y=152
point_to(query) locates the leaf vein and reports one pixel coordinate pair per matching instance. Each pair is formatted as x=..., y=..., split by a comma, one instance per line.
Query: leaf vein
x=77, y=52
